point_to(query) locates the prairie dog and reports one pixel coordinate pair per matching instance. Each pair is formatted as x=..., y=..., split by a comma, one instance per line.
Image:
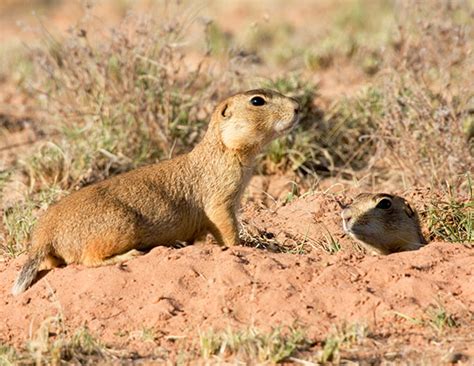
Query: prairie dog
x=383, y=223
x=175, y=200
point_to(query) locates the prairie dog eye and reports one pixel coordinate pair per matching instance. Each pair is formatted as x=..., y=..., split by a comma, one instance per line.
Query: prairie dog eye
x=257, y=101
x=384, y=204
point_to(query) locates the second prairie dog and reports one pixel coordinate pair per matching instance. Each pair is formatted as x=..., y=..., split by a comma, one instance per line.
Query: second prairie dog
x=175, y=200
x=383, y=223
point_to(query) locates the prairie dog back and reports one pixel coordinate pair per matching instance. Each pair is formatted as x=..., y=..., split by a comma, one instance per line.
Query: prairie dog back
x=175, y=200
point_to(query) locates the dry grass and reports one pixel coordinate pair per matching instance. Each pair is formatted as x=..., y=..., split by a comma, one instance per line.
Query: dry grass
x=451, y=216
x=52, y=344
x=343, y=337
x=130, y=99
x=134, y=99
x=252, y=346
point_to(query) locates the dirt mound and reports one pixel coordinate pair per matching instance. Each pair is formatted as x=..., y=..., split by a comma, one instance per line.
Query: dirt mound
x=178, y=292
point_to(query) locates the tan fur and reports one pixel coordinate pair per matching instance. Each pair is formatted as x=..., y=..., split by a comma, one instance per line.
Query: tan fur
x=175, y=200
x=383, y=231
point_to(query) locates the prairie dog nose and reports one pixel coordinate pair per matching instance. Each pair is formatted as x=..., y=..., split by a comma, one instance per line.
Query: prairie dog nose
x=346, y=215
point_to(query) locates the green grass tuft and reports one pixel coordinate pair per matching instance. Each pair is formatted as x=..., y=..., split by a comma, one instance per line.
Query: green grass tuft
x=452, y=219
x=439, y=319
x=342, y=337
x=21, y=217
x=252, y=345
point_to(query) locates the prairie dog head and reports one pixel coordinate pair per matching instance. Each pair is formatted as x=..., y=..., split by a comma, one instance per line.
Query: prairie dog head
x=384, y=223
x=248, y=121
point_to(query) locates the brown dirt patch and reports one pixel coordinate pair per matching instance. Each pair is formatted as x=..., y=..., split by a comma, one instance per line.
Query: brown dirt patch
x=178, y=292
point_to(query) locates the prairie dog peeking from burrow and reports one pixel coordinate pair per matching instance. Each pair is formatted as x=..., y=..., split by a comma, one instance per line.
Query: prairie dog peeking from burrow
x=383, y=223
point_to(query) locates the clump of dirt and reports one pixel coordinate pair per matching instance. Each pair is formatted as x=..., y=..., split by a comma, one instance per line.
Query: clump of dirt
x=310, y=222
x=178, y=292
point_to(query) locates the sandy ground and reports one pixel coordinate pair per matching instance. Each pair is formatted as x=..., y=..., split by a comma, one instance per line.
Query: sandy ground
x=179, y=292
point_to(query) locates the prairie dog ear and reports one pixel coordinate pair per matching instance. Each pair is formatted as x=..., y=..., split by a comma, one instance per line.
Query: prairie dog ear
x=224, y=110
x=408, y=210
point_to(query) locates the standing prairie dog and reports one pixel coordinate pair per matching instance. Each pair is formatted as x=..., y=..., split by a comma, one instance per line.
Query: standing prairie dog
x=383, y=223
x=175, y=200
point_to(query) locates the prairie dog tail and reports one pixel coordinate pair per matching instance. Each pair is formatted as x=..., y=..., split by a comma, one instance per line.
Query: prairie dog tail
x=29, y=271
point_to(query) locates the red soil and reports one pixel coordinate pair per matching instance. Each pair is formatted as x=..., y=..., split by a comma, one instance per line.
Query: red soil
x=177, y=292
